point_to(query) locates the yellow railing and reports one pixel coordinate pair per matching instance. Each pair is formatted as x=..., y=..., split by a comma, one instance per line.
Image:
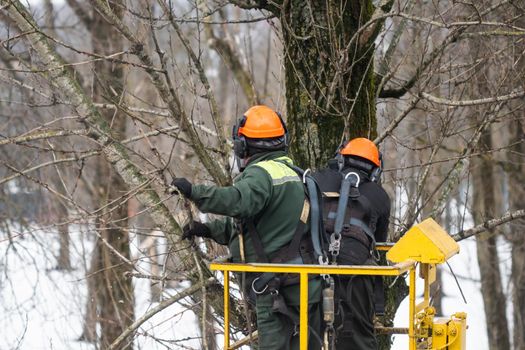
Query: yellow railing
x=304, y=271
x=426, y=244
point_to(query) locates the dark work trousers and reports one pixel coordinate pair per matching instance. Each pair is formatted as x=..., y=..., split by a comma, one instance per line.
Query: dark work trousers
x=354, y=322
x=276, y=331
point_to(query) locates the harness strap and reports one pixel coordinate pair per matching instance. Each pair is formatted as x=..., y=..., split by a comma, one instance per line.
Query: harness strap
x=312, y=191
x=261, y=284
x=356, y=222
x=315, y=215
x=379, y=296
x=257, y=243
x=279, y=306
x=369, y=229
x=342, y=205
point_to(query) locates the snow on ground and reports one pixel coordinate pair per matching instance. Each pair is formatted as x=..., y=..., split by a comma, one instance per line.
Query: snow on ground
x=41, y=308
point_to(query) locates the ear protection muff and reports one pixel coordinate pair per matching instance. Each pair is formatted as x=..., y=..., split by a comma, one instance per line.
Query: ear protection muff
x=240, y=147
x=285, y=130
x=339, y=157
x=375, y=175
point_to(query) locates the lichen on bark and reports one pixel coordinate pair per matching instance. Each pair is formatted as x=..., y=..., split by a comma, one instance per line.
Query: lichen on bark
x=330, y=89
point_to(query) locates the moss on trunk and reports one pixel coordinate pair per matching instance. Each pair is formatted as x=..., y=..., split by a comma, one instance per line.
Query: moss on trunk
x=330, y=88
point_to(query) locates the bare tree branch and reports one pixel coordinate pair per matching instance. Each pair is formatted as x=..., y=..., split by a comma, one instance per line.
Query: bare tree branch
x=163, y=305
x=167, y=94
x=489, y=224
x=480, y=101
x=411, y=105
x=457, y=30
x=81, y=13
x=203, y=78
x=114, y=152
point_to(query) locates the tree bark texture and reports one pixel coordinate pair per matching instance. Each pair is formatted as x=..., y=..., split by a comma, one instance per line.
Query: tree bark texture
x=517, y=236
x=516, y=187
x=89, y=328
x=330, y=89
x=494, y=299
x=114, y=290
x=64, y=256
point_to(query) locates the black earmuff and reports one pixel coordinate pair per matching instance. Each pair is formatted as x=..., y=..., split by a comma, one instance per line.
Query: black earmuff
x=240, y=147
x=285, y=129
x=339, y=157
x=375, y=175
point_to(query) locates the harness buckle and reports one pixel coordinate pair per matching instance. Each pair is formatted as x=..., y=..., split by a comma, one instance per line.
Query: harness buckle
x=295, y=330
x=375, y=254
x=358, y=178
x=323, y=260
x=259, y=292
x=304, y=175
x=335, y=244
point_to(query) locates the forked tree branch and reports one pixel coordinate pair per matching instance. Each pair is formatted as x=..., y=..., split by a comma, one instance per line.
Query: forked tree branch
x=166, y=303
x=167, y=93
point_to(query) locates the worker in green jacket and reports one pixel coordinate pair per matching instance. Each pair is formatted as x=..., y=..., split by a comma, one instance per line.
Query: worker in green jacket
x=265, y=209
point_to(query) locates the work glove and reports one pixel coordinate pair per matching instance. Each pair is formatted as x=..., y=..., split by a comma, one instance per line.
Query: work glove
x=195, y=229
x=182, y=185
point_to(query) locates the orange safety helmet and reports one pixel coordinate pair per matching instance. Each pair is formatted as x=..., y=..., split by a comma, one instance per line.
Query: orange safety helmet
x=364, y=148
x=261, y=122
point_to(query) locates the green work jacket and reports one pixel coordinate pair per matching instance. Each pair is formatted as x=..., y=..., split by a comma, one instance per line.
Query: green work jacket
x=268, y=192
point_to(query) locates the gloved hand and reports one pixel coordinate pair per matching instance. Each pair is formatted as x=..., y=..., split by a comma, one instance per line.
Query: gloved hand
x=197, y=229
x=182, y=185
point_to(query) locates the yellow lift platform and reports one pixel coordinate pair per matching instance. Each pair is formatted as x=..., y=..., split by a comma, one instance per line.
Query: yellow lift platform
x=424, y=245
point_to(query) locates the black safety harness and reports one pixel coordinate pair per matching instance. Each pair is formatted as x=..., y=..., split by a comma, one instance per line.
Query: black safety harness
x=349, y=190
x=300, y=250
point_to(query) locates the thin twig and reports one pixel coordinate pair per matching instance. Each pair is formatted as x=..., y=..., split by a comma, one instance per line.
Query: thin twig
x=163, y=305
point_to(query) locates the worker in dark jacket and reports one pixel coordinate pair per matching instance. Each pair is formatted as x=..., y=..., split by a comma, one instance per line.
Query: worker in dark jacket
x=363, y=221
x=268, y=198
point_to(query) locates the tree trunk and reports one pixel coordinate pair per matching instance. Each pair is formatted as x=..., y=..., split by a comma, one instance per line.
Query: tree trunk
x=491, y=286
x=516, y=236
x=113, y=289
x=64, y=258
x=516, y=176
x=89, y=328
x=330, y=90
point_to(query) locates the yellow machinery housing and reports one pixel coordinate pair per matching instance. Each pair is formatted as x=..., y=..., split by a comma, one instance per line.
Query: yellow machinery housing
x=424, y=245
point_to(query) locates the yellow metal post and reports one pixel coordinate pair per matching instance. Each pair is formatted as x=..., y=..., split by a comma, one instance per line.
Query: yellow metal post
x=426, y=270
x=226, y=309
x=457, y=331
x=411, y=309
x=439, y=333
x=303, y=311
x=426, y=243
